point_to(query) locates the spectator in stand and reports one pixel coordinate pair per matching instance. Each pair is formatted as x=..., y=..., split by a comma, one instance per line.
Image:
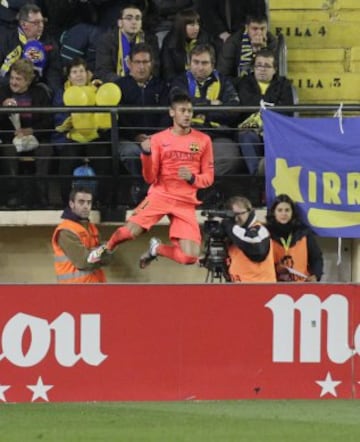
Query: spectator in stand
x=107, y=11
x=207, y=87
x=26, y=135
x=162, y=15
x=222, y=18
x=297, y=255
x=185, y=34
x=29, y=41
x=8, y=13
x=90, y=19
x=263, y=84
x=250, y=249
x=63, y=14
x=238, y=53
x=79, y=41
x=114, y=46
x=74, y=239
x=139, y=88
x=71, y=149
x=176, y=162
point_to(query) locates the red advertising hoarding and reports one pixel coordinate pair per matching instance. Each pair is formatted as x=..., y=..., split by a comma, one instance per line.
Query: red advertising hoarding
x=178, y=342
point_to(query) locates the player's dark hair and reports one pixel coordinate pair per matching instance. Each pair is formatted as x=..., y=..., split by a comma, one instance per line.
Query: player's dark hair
x=178, y=96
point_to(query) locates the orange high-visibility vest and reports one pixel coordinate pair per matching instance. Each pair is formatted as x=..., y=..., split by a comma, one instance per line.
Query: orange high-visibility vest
x=298, y=253
x=242, y=269
x=65, y=270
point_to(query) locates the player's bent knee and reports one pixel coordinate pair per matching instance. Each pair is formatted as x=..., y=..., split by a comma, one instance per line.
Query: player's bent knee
x=186, y=259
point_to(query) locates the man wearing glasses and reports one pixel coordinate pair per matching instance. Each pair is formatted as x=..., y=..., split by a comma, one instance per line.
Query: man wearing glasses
x=249, y=244
x=29, y=41
x=113, y=49
x=263, y=84
x=139, y=88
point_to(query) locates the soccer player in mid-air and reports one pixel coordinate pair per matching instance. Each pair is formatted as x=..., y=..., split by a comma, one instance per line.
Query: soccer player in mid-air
x=176, y=163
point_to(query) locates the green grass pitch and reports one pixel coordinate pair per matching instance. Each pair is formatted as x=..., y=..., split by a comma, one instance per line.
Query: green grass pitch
x=193, y=421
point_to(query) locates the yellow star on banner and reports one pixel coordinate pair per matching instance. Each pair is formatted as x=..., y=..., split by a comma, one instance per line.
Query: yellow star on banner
x=287, y=180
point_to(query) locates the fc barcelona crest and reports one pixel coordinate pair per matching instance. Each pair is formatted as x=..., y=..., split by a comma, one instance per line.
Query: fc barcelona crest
x=194, y=147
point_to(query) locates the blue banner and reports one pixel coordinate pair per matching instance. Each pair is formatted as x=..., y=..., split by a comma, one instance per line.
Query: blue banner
x=316, y=161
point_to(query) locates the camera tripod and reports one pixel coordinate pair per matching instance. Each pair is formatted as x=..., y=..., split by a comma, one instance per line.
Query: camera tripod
x=215, y=261
x=217, y=272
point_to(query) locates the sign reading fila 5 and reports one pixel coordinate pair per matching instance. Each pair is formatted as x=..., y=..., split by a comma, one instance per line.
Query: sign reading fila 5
x=311, y=307
x=62, y=329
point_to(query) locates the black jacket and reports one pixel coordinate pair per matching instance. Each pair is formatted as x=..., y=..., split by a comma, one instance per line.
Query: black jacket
x=37, y=121
x=172, y=59
x=8, y=13
x=255, y=242
x=213, y=14
x=52, y=73
x=279, y=92
x=154, y=93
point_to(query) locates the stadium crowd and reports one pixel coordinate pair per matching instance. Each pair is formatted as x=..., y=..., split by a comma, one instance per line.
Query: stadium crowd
x=219, y=52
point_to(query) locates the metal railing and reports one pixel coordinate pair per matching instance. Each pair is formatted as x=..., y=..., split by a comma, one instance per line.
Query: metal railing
x=116, y=182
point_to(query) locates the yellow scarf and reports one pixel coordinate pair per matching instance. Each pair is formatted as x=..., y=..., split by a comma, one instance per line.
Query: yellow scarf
x=14, y=55
x=212, y=93
x=188, y=48
x=124, y=51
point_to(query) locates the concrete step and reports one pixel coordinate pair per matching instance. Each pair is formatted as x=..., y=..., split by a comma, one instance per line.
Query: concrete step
x=295, y=5
x=316, y=15
x=313, y=4
x=299, y=15
x=318, y=60
x=317, y=87
x=355, y=59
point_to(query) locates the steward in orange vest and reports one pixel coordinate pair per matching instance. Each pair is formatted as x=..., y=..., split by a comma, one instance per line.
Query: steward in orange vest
x=250, y=252
x=297, y=255
x=73, y=240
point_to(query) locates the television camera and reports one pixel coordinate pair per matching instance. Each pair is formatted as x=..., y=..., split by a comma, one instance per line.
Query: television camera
x=215, y=258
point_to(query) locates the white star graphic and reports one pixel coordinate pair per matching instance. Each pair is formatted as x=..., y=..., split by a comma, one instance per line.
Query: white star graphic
x=3, y=388
x=328, y=385
x=39, y=390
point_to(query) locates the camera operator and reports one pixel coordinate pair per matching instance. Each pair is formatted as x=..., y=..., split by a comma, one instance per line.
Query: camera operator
x=249, y=250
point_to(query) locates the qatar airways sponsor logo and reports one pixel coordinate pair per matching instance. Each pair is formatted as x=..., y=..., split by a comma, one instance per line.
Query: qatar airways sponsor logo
x=179, y=155
x=59, y=336
x=310, y=312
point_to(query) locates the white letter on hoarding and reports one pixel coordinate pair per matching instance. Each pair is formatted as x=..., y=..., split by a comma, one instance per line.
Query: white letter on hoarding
x=64, y=327
x=310, y=308
x=40, y=340
x=12, y=340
